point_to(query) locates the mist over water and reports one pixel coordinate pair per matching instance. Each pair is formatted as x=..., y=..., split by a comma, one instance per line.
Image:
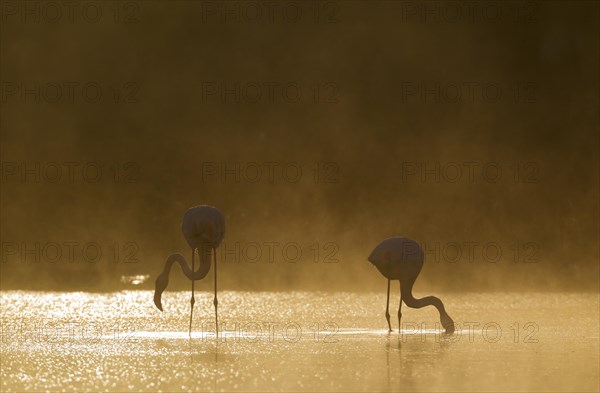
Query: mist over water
x=477, y=139
x=451, y=134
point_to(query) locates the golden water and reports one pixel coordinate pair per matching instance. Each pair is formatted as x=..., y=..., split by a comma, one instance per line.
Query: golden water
x=296, y=341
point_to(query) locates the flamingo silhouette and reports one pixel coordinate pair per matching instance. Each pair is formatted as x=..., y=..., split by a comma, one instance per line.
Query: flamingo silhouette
x=400, y=258
x=203, y=228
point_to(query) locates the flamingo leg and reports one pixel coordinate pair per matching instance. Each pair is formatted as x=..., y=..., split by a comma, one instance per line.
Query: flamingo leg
x=400, y=311
x=387, y=308
x=215, y=301
x=192, y=300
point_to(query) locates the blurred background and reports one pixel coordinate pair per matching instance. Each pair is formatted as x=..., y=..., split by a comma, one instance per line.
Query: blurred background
x=317, y=128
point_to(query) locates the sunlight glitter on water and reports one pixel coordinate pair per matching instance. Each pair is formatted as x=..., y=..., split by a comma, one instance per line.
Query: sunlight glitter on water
x=296, y=341
x=229, y=334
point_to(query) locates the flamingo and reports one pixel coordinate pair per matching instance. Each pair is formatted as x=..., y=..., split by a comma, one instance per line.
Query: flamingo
x=400, y=258
x=203, y=228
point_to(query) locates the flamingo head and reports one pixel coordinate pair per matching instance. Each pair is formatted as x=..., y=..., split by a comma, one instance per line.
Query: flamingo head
x=160, y=285
x=447, y=323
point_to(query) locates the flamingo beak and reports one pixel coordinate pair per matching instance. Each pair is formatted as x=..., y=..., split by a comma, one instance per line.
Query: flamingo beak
x=160, y=285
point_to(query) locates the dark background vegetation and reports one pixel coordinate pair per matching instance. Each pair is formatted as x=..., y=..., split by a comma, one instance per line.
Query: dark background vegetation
x=164, y=134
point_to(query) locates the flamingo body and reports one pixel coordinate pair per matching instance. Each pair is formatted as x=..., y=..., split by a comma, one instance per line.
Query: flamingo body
x=203, y=228
x=398, y=258
x=401, y=258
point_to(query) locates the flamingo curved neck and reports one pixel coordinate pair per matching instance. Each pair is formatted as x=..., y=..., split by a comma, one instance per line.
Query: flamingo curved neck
x=411, y=301
x=199, y=274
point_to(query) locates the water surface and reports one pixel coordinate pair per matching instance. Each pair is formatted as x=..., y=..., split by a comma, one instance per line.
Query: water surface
x=296, y=341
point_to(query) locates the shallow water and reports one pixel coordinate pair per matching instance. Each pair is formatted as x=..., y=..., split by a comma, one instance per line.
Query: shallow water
x=297, y=341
